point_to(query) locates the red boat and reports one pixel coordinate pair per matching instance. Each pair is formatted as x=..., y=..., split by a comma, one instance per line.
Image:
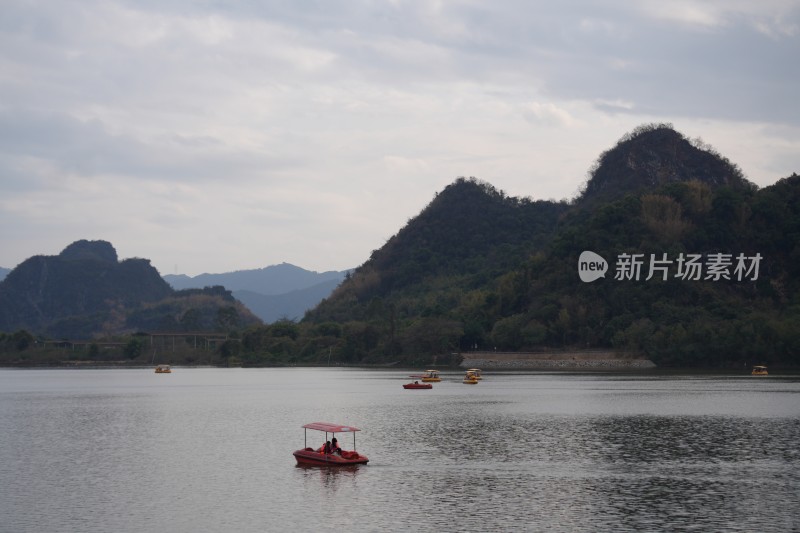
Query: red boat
x=417, y=385
x=317, y=456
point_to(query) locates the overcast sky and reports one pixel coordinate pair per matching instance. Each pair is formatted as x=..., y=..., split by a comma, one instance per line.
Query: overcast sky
x=212, y=136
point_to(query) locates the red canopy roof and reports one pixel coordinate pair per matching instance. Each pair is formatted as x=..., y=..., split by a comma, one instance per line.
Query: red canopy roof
x=330, y=428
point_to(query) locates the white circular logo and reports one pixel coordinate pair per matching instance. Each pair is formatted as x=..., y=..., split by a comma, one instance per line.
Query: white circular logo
x=591, y=266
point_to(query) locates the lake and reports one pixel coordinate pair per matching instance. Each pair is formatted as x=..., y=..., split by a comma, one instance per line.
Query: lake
x=206, y=449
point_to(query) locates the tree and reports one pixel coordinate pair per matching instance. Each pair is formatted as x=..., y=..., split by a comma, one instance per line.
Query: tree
x=22, y=340
x=133, y=349
x=192, y=320
x=227, y=318
x=662, y=215
x=230, y=348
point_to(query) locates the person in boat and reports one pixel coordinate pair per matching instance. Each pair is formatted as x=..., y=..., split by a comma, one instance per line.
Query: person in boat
x=325, y=448
x=335, y=446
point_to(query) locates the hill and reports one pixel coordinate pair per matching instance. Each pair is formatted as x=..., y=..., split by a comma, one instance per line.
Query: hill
x=469, y=234
x=86, y=291
x=655, y=155
x=477, y=269
x=4, y=272
x=289, y=306
x=274, y=279
x=272, y=293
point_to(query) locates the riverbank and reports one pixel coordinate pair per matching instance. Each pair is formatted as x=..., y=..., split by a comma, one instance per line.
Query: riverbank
x=574, y=360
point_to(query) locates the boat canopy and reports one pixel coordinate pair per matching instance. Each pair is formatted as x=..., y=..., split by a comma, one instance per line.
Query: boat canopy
x=330, y=428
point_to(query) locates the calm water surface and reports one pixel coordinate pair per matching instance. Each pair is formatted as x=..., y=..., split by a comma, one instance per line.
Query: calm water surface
x=210, y=450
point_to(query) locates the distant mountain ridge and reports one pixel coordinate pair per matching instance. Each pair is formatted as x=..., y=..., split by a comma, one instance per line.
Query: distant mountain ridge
x=271, y=280
x=290, y=306
x=276, y=292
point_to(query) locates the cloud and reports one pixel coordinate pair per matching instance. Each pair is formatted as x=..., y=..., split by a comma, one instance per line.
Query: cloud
x=310, y=133
x=71, y=147
x=776, y=18
x=548, y=114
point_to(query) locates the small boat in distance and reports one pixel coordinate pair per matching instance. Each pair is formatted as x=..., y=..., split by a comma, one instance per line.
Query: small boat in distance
x=318, y=457
x=431, y=376
x=476, y=372
x=759, y=370
x=470, y=378
x=417, y=385
x=163, y=369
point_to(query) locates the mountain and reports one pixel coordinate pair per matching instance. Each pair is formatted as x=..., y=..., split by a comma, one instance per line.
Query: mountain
x=478, y=268
x=272, y=293
x=85, y=291
x=654, y=155
x=469, y=234
x=274, y=279
x=289, y=306
x=85, y=278
x=4, y=272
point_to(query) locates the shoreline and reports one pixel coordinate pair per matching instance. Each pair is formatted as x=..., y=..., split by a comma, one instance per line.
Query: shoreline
x=544, y=364
x=573, y=360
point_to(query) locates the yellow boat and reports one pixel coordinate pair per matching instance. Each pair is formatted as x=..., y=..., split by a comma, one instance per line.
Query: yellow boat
x=163, y=369
x=431, y=376
x=470, y=378
x=759, y=371
x=476, y=372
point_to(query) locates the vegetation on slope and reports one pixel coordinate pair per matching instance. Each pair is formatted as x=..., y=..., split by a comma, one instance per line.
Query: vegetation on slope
x=85, y=292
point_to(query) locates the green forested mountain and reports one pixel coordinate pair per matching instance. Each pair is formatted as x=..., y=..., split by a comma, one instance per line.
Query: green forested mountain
x=467, y=236
x=85, y=292
x=479, y=268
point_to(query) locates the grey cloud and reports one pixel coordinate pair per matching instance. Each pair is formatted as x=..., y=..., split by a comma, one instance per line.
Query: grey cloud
x=289, y=99
x=579, y=50
x=739, y=75
x=81, y=147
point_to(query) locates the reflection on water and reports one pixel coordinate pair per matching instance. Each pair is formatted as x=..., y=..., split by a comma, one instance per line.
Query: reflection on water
x=640, y=473
x=210, y=450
